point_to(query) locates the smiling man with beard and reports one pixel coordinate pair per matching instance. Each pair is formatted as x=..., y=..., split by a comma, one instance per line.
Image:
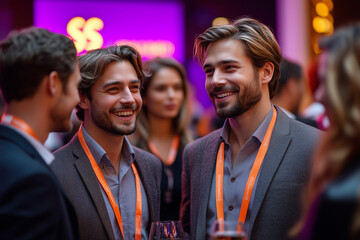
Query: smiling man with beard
x=253, y=169
x=114, y=186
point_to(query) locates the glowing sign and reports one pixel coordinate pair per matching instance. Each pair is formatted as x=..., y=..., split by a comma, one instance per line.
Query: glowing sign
x=151, y=49
x=155, y=28
x=84, y=33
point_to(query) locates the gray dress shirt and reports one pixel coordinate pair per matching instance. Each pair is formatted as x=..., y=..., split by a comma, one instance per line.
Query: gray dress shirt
x=122, y=187
x=236, y=176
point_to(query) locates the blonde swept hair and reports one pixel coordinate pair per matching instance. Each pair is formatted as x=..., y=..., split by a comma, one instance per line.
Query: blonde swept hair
x=342, y=102
x=259, y=42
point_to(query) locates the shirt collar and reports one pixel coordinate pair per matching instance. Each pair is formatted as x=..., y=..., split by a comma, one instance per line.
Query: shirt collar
x=290, y=115
x=259, y=132
x=128, y=151
x=45, y=153
x=98, y=152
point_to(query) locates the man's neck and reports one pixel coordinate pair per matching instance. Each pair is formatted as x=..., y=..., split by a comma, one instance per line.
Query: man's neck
x=242, y=127
x=34, y=116
x=110, y=142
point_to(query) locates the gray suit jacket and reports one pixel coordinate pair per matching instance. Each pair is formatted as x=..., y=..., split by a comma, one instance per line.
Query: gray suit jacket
x=79, y=181
x=277, y=203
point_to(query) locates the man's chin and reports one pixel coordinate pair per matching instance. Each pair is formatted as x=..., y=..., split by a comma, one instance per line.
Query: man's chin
x=124, y=130
x=65, y=127
x=228, y=113
x=223, y=113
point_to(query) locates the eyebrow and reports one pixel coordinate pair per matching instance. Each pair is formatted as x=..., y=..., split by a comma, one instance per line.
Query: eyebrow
x=223, y=62
x=119, y=83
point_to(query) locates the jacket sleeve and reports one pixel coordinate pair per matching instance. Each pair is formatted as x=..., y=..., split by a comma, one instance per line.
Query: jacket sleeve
x=185, y=189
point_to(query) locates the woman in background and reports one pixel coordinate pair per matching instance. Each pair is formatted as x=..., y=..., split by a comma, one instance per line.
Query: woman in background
x=333, y=202
x=162, y=126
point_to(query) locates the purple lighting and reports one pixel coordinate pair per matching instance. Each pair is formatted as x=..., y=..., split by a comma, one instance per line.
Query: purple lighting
x=152, y=27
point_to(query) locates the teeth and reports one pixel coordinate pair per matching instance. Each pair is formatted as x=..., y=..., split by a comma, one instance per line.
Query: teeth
x=222, y=95
x=124, y=114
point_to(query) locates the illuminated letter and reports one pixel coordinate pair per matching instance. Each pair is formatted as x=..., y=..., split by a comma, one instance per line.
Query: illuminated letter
x=91, y=27
x=74, y=28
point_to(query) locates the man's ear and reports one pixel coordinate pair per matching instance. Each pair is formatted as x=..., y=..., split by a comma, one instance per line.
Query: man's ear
x=53, y=83
x=267, y=72
x=84, y=101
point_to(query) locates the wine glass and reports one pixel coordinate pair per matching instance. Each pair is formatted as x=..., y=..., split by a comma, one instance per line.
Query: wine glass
x=227, y=230
x=167, y=230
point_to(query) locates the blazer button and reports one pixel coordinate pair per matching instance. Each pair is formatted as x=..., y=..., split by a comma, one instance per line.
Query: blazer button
x=231, y=208
x=233, y=180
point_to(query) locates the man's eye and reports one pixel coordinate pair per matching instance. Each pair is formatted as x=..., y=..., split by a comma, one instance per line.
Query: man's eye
x=135, y=88
x=112, y=90
x=208, y=71
x=229, y=67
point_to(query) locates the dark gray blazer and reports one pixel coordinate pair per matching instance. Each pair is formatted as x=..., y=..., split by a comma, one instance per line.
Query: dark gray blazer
x=79, y=181
x=285, y=170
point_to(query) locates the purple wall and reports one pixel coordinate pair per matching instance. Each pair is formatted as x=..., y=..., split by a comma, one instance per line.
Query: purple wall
x=156, y=26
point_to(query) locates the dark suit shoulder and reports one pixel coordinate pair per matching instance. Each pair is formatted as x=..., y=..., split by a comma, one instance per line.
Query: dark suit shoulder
x=16, y=163
x=301, y=130
x=307, y=121
x=143, y=155
x=65, y=155
x=205, y=140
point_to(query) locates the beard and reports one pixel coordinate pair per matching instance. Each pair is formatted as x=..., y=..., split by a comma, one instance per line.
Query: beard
x=247, y=97
x=103, y=121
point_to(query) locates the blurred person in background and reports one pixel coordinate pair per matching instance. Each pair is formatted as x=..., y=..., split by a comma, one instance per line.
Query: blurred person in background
x=114, y=186
x=162, y=126
x=314, y=109
x=39, y=76
x=333, y=194
x=291, y=91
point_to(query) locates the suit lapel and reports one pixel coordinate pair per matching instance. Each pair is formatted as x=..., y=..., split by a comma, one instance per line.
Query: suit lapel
x=279, y=142
x=147, y=182
x=208, y=162
x=90, y=180
x=22, y=142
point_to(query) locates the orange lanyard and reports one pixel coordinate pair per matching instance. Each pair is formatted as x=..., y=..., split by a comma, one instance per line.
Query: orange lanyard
x=18, y=123
x=252, y=177
x=172, y=153
x=107, y=190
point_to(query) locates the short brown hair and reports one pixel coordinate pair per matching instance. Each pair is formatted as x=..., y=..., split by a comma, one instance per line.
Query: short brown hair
x=27, y=56
x=259, y=42
x=94, y=63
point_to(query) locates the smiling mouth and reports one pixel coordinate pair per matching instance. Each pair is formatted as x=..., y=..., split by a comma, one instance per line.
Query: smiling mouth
x=223, y=95
x=124, y=113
